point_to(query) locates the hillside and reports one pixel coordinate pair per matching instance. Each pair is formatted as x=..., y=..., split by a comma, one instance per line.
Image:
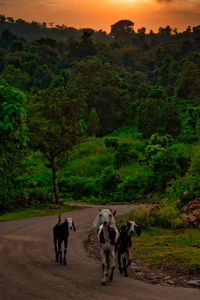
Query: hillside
x=110, y=120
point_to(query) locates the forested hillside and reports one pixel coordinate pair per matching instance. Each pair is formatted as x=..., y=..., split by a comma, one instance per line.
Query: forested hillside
x=98, y=117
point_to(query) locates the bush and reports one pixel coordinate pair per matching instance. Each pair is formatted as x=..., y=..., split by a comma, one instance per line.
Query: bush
x=135, y=185
x=108, y=183
x=165, y=216
x=164, y=169
x=77, y=187
x=140, y=216
x=152, y=150
x=164, y=141
x=178, y=224
x=181, y=155
x=195, y=161
x=184, y=190
x=124, y=155
x=111, y=142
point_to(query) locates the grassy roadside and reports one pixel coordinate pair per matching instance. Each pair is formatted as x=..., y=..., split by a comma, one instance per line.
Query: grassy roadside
x=37, y=212
x=163, y=247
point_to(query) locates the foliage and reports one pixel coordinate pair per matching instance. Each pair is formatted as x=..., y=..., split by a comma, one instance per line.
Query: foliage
x=140, y=216
x=136, y=185
x=12, y=141
x=124, y=155
x=77, y=187
x=108, y=183
x=93, y=122
x=164, y=167
x=168, y=216
x=103, y=88
x=111, y=143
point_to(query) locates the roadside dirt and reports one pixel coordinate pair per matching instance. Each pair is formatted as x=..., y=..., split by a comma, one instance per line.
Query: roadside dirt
x=28, y=270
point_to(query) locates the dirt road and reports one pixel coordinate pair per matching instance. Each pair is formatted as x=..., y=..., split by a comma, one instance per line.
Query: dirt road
x=28, y=270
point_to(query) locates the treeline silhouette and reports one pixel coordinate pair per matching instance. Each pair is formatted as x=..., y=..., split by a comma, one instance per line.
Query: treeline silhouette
x=122, y=31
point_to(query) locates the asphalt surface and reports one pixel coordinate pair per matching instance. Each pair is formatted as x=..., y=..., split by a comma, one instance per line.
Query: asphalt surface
x=28, y=270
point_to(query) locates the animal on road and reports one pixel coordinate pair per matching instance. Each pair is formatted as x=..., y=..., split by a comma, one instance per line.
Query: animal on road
x=61, y=234
x=123, y=245
x=108, y=235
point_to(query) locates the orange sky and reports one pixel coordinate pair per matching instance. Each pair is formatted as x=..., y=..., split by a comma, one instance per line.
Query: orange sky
x=100, y=14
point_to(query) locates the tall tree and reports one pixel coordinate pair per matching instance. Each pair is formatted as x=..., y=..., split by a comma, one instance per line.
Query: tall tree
x=122, y=30
x=54, y=127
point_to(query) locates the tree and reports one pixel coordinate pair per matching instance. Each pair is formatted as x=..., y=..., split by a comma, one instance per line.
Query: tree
x=12, y=140
x=93, y=122
x=6, y=38
x=122, y=30
x=54, y=127
x=149, y=117
x=104, y=88
x=16, y=77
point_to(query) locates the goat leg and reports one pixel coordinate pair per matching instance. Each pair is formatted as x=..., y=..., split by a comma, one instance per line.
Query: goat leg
x=125, y=268
x=119, y=262
x=104, y=267
x=56, y=249
x=128, y=257
x=111, y=274
x=112, y=264
x=60, y=251
x=65, y=252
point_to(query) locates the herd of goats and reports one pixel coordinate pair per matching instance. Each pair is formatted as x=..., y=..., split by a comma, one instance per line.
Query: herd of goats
x=111, y=239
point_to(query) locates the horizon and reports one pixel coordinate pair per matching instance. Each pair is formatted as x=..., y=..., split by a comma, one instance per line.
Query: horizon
x=101, y=15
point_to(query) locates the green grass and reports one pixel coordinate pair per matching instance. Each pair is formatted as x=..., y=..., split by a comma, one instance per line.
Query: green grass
x=36, y=212
x=163, y=247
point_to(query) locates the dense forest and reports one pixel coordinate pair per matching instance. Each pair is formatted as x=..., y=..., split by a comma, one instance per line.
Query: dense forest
x=96, y=116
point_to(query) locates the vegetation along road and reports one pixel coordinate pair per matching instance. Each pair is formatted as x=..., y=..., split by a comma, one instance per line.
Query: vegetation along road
x=28, y=270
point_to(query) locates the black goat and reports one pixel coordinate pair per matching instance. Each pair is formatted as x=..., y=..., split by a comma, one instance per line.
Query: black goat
x=124, y=244
x=60, y=234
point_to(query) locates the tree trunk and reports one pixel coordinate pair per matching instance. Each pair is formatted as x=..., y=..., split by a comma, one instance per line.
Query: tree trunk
x=56, y=192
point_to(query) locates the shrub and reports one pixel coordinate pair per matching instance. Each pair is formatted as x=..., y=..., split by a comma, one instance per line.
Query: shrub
x=135, y=185
x=164, y=141
x=181, y=155
x=164, y=168
x=108, y=183
x=184, y=189
x=140, y=216
x=195, y=161
x=164, y=217
x=77, y=187
x=124, y=155
x=178, y=224
x=111, y=142
x=151, y=150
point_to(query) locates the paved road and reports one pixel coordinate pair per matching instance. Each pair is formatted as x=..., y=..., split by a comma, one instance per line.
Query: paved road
x=28, y=270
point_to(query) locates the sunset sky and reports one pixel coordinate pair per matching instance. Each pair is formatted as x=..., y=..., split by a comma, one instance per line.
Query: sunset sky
x=100, y=14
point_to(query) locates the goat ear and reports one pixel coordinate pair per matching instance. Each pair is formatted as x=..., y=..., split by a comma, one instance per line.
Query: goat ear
x=100, y=209
x=96, y=223
x=138, y=230
x=114, y=213
x=111, y=210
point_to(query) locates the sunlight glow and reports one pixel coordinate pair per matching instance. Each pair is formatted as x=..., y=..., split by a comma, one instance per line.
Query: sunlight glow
x=125, y=2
